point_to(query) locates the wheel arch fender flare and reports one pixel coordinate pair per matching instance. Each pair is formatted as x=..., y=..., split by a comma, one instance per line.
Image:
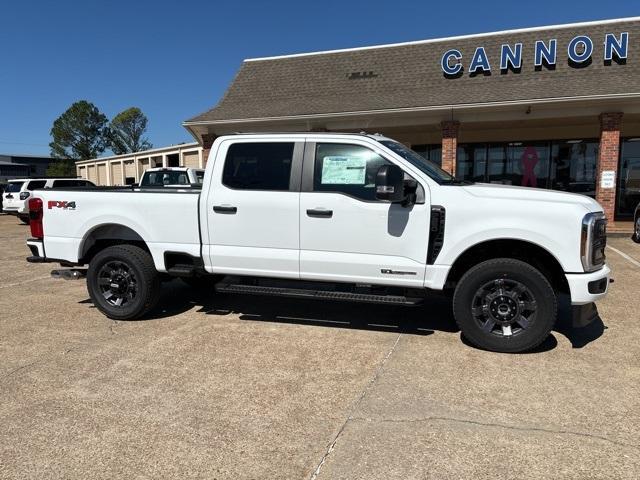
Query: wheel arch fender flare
x=109, y=231
x=537, y=255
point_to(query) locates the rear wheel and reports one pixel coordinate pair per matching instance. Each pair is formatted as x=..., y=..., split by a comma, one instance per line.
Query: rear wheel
x=123, y=282
x=24, y=219
x=505, y=305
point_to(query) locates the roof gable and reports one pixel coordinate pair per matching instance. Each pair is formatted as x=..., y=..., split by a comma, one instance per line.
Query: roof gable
x=410, y=76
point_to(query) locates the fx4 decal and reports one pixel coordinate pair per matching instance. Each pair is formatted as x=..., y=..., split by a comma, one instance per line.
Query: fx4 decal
x=61, y=204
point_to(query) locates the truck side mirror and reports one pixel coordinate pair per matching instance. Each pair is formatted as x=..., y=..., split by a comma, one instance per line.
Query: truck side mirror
x=390, y=184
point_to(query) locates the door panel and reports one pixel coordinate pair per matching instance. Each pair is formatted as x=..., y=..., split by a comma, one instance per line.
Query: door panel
x=364, y=241
x=253, y=223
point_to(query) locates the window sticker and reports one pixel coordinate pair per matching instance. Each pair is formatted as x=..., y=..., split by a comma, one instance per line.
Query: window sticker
x=343, y=170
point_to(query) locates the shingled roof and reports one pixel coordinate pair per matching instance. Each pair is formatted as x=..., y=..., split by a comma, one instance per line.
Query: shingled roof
x=409, y=76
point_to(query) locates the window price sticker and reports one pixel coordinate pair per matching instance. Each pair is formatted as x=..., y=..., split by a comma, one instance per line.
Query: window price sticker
x=343, y=170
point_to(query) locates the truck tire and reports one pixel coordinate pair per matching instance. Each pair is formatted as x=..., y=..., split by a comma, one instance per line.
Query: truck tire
x=505, y=305
x=24, y=219
x=123, y=282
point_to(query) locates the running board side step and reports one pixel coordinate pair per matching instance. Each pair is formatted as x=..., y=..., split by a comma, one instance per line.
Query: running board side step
x=317, y=294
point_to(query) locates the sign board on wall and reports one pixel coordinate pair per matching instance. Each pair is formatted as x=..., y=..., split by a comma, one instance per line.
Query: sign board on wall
x=608, y=179
x=579, y=53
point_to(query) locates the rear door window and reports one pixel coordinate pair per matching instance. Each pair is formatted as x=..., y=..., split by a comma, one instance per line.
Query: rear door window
x=71, y=183
x=36, y=184
x=258, y=166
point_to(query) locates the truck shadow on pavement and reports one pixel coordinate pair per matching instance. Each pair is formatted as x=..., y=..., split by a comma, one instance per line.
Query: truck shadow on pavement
x=435, y=315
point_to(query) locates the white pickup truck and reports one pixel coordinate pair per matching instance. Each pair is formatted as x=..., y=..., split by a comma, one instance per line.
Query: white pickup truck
x=172, y=177
x=336, y=217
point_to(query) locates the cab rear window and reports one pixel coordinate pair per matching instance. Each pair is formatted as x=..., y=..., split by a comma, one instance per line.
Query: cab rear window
x=162, y=178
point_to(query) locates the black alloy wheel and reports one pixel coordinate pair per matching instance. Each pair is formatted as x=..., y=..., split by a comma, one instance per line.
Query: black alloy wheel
x=117, y=283
x=123, y=282
x=505, y=305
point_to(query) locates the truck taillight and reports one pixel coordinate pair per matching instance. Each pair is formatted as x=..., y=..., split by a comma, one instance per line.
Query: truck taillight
x=35, y=218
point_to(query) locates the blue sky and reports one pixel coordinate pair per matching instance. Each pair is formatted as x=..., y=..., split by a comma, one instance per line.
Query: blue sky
x=174, y=59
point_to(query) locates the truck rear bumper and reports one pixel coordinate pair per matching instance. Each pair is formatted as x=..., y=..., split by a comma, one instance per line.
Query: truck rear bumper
x=588, y=287
x=37, y=251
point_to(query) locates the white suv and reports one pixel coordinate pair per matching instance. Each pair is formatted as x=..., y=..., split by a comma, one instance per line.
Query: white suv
x=17, y=193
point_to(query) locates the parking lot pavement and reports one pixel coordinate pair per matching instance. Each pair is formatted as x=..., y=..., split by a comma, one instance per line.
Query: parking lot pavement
x=251, y=387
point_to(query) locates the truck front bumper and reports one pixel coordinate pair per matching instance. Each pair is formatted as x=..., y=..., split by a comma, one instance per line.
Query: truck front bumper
x=588, y=287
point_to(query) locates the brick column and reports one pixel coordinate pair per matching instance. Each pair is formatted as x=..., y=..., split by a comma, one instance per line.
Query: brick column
x=449, y=144
x=609, y=154
x=207, y=141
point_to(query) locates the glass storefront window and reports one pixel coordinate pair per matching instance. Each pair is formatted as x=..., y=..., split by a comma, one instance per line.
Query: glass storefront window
x=574, y=166
x=472, y=162
x=528, y=164
x=562, y=165
x=430, y=152
x=628, y=178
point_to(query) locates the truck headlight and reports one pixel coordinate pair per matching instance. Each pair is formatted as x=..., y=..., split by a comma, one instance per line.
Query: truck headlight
x=593, y=241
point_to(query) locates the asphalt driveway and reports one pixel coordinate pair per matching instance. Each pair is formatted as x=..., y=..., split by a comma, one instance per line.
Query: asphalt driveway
x=233, y=387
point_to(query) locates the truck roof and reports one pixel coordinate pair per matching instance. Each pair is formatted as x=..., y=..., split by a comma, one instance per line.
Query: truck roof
x=375, y=136
x=172, y=169
x=28, y=179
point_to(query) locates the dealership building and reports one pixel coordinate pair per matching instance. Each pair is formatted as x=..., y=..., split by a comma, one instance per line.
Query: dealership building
x=554, y=107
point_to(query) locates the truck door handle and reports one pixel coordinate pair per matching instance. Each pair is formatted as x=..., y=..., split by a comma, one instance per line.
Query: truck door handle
x=225, y=209
x=317, y=212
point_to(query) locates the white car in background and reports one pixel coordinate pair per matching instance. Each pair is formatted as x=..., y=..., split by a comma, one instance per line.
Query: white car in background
x=172, y=177
x=16, y=195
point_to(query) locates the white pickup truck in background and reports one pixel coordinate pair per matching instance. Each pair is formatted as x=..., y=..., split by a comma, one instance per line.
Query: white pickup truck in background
x=172, y=177
x=337, y=217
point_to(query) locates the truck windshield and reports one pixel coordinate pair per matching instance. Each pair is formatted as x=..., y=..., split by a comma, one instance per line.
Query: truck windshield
x=441, y=176
x=162, y=178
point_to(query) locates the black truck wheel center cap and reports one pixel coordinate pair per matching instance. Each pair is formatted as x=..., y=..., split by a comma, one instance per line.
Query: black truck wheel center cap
x=503, y=309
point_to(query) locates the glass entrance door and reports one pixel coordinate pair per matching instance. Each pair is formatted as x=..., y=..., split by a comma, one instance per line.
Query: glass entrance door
x=628, y=178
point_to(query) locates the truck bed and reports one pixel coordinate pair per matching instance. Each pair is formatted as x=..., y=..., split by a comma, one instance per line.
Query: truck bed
x=165, y=219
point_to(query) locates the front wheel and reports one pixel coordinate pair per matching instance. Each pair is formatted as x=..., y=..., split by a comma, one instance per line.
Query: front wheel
x=123, y=282
x=505, y=305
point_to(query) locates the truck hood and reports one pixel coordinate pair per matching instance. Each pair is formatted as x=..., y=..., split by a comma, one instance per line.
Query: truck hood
x=528, y=194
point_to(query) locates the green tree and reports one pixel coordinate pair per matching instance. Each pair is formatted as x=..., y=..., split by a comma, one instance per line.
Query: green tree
x=126, y=130
x=62, y=168
x=79, y=133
